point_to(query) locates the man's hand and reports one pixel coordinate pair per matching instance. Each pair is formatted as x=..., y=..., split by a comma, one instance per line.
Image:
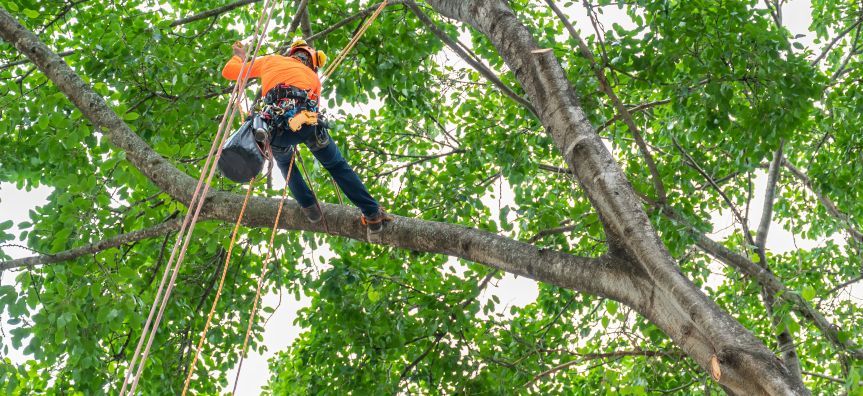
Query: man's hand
x=239, y=50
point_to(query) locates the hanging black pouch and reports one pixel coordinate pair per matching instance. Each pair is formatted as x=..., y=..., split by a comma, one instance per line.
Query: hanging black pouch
x=241, y=158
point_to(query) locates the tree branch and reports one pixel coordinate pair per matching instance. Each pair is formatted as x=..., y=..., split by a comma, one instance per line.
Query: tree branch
x=592, y=356
x=619, y=107
x=604, y=276
x=71, y=254
x=835, y=40
x=636, y=109
x=471, y=60
x=828, y=204
x=784, y=339
x=743, y=223
x=677, y=306
x=418, y=161
x=766, y=278
x=769, y=195
x=211, y=13
x=27, y=60
x=305, y=23
x=177, y=22
x=361, y=14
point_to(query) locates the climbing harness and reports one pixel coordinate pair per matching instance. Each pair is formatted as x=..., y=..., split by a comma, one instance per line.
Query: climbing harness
x=307, y=117
x=317, y=202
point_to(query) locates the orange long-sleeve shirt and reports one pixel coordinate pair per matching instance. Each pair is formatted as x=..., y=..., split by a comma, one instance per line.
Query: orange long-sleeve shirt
x=276, y=69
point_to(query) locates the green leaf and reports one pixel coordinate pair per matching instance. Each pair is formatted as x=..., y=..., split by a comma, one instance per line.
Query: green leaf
x=131, y=116
x=808, y=293
x=374, y=295
x=31, y=13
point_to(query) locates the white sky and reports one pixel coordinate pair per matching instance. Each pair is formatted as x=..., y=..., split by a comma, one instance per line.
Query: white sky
x=280, y=331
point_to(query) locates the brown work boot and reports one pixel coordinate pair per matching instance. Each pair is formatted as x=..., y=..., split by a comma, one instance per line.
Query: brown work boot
x=376, y=221
x=313, y=213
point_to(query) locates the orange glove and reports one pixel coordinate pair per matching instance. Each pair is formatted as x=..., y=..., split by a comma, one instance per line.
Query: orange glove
x=304, y=117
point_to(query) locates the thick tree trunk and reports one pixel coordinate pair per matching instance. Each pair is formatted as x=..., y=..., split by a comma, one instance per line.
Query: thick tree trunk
x=669, y=300
x=642, y=275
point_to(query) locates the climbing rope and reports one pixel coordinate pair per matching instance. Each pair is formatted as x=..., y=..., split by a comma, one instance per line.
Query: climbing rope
x=343, y=54
x=197, y=201
x=221, y=284
x=296, y=154
x=265, y=263
x=221, y=135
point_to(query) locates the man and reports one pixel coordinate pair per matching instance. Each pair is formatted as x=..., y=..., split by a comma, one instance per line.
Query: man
x=292, y=90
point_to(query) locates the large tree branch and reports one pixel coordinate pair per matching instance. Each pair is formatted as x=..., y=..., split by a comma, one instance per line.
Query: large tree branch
x=675, y=304
x=600, y=276
x=784, y=339
x=619, y=107
x=471, y=60
x=767, y=280
x=71, y=254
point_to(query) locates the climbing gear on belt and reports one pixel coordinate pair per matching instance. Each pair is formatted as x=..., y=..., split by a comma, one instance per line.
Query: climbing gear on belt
x=284, y=91
x=242, y=156
x=304, y=117
x=282, y=104
x=196, y=203
x=318, y=58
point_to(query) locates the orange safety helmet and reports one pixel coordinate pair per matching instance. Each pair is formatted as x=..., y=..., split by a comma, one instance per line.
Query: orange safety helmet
x=319, y=58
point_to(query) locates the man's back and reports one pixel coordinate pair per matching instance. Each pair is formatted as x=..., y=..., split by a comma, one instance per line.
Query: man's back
x=276, y=69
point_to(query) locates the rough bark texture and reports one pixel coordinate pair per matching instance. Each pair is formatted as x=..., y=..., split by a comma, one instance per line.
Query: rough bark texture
x=642, y=274
x=691, y=319
x=601, y=276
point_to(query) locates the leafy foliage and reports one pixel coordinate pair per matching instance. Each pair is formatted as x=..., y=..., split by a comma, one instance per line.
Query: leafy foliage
x=436, y=141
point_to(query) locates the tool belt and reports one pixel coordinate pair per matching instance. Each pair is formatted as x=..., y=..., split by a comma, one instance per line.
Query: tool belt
x=288, y=107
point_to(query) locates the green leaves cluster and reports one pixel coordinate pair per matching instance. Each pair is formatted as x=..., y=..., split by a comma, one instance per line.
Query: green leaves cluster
x=433, y=140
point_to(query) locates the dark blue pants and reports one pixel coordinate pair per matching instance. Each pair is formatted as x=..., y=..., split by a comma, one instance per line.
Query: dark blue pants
x=332, y=160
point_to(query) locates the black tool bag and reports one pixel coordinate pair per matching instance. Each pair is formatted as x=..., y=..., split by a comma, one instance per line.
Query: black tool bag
x=241, y=158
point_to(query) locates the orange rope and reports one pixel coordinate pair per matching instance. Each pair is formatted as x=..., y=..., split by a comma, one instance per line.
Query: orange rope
x=219, y=290
x=343, y=54
x=264, y=270
x=327, y=74
x=191, y=219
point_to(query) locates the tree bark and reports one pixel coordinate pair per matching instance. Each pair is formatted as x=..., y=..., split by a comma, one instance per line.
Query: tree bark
x=603, y=276
x=71, y=254
x=643, y=275
x=676, y=305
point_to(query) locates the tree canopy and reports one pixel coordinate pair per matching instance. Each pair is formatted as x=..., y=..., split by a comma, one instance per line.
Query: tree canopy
x=593, y=158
